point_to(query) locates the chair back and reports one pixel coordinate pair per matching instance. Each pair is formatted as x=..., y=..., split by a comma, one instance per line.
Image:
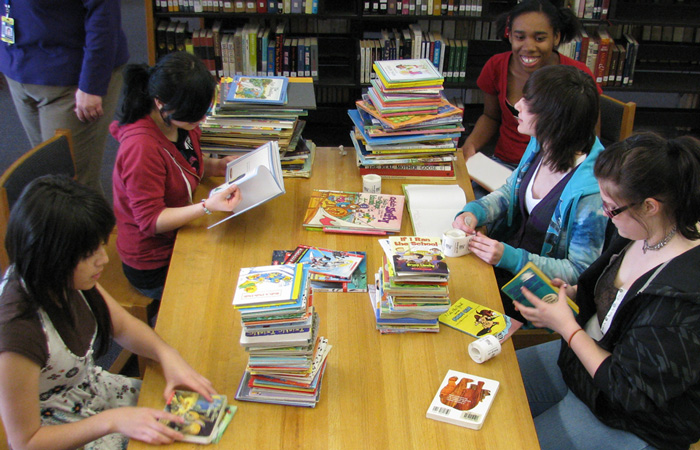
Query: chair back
x=51, y=157
x=616, y=119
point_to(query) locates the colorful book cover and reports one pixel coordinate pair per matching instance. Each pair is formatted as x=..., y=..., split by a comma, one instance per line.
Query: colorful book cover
x=536, y=282
x=267, y=285
x=202, y=417
x=477, y=320
x=408, y=71
x=321, y=283
x=412, y=255
x=270, y=90
x=463, y=399
x=354, y=210
x=332, y=263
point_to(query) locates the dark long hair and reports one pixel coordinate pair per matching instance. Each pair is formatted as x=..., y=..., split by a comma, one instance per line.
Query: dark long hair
x=562, y=19
x=647, y=165
x=179, y=80
x=565, y=102
x=54, y=224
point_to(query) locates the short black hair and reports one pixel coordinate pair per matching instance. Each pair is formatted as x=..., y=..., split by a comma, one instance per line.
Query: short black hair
x=565, y=102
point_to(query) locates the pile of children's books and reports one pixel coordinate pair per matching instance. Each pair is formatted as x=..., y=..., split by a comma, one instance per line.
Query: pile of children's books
x=404, y=126
x=251, y=110
x=411, y=289
x=287, y=357
x=329, y=270
x=354, y=212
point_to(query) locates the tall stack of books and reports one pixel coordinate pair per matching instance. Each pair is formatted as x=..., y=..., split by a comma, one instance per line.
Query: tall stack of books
x=253, y=110
x=287, y=357
x=412, y=287
x=403, y=126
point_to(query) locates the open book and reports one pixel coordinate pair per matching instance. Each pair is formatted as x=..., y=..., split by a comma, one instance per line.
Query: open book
x=486, y=172
x=433, y=207
x=258, y=175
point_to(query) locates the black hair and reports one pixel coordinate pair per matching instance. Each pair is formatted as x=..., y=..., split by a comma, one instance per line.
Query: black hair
x=562, y=19
x=647, y=165
x=179, y=80
x=565, y=102
x=55, y=223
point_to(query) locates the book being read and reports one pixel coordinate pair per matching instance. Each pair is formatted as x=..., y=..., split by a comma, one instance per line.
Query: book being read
x=536, y=282
x=463, y=400
x=258, y=175
x=202, y=417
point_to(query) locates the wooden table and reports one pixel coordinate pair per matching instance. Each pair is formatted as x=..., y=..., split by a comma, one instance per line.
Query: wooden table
x=377, y=388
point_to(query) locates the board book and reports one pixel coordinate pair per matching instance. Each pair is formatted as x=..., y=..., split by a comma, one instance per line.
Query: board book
x=258, y=175
x=358, y=211
x=202, y=417
x=432, y=208
x=463, y=399
x=265, y=90
x=536, y=282
x=477, y=320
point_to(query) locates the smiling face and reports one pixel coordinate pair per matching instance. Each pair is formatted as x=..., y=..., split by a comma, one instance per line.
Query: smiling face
x=526, y=120
x=532, y=41
x=89, y=269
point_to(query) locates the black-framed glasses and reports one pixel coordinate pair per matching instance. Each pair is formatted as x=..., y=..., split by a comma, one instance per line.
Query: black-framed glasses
x=614, y=212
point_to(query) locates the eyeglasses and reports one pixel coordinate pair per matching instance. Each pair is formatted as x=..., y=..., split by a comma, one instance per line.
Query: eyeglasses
x=614, y=212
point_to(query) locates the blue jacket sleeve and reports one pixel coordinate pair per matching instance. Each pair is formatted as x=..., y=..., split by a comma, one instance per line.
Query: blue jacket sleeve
x=102, y=45
x=492, y=207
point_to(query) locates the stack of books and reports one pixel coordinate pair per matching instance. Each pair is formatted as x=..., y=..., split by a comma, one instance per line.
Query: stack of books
x=354, y=212
x=329, y=270
x=250, y=111
x=287, y=357
x=403, y=126
x=411, y=289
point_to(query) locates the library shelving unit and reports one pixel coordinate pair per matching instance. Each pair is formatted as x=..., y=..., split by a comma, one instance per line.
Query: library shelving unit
x=339, y=25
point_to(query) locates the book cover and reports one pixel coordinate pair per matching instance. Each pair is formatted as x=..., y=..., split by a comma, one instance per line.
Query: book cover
x=536, y=282
x=332, y=263
x=477, y=320
x=408, y=71
x=268, y=90
x=202, y=417
x=417, y=255
x=463, y=399
x=354, y=210
x=267, y=285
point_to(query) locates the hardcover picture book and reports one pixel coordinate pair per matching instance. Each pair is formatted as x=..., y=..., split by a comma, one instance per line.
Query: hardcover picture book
x=269, y=90
x=268, y=285
x=354, y=211
x=477, y=320
x=202, y=417
x=258, y=175
x=463, y=400
x=419, y=71
x=536, y=282
x=330, y=263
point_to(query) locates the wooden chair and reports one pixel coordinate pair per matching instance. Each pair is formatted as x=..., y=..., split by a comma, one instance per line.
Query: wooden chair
x=616, y=119
x=55, y=157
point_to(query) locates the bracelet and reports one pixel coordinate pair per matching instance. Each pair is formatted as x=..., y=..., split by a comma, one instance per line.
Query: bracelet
x=572, y=336
x=204, y=205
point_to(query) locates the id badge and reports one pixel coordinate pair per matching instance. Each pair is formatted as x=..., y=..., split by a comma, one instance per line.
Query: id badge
x=8, y=29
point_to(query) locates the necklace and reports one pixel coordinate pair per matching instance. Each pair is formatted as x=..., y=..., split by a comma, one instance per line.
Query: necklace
x=661, y=243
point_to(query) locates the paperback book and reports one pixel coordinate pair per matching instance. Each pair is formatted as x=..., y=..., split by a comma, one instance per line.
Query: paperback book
x=531, y=277
x=268, y=285
x=355, y=211
x=417, y=255
x=320, y=283
x=463, y=399
x=333, y=264
x=202, y=418
x=477, y=320
x=408, y=73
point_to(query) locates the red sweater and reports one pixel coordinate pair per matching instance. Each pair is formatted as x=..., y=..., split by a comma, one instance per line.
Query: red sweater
x=149, y=176
x=493, y=80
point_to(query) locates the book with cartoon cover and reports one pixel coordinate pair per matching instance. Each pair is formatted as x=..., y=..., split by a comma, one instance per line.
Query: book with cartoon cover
x=249, y=89
x=463, y=399
x=268, y=285
x=202, y=417
x=360, y=211
x=417, y=255
x=477, y=320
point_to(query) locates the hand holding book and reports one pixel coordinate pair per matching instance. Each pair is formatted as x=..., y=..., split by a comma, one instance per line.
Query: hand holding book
x=548, y=312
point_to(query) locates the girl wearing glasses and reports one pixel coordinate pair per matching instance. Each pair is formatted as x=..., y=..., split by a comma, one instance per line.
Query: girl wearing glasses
x=631, y=359
x=159, y=164
x=55, y=318
x=549, y=210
